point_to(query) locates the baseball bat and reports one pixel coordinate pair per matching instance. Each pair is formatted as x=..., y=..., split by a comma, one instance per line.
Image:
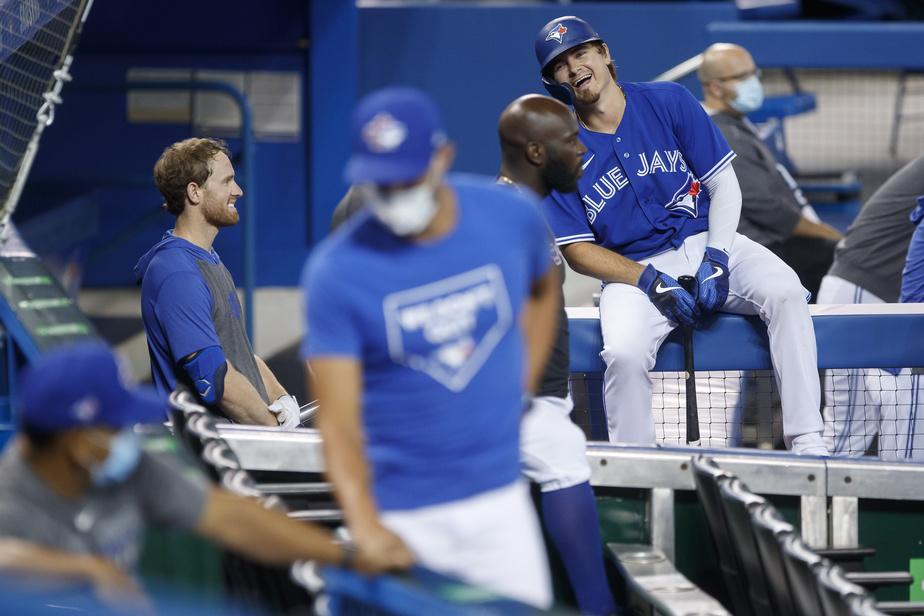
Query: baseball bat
x=689, y=283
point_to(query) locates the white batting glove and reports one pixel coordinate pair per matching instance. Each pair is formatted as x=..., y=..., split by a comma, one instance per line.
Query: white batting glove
x=286, y=410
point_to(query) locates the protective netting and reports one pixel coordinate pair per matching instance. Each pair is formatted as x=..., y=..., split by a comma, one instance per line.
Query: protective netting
x=869, y=120
x=866, y=411
x=36, y=37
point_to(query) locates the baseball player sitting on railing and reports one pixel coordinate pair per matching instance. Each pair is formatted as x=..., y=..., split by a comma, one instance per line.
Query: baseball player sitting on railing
x=658, y=200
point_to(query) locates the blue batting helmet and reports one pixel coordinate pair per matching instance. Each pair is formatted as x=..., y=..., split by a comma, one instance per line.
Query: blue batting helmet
x=554, y=39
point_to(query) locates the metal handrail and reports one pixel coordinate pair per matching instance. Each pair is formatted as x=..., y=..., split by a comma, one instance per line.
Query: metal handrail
x=630, y=466
x=688, y=66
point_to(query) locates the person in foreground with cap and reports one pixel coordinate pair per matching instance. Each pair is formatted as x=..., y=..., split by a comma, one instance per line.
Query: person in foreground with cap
x=77, y=490
x=658, y=200
x=429, y=314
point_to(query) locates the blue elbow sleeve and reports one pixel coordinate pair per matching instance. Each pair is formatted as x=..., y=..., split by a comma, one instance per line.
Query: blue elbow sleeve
x=206, y=370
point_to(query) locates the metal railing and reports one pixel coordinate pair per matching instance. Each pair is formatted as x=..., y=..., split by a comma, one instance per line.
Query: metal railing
x=663, y=471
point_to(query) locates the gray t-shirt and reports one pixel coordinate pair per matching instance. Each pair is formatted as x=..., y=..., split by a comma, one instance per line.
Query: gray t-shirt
x=872, y=253
x=107, y=522
x=228, y=323
x=770, y=210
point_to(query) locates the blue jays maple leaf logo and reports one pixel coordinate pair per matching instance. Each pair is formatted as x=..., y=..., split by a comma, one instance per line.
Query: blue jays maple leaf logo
x=557, y=33
x=686, y=199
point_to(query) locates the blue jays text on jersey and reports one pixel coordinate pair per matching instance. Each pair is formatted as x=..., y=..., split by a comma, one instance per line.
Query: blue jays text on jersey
x=641, y=192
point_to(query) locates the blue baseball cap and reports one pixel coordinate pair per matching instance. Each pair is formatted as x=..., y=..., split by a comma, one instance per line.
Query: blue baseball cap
x=395, y=132
x=80, y=385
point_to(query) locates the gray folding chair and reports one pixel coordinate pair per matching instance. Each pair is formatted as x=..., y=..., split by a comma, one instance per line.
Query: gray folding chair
x=737, y=503
x=706, y=476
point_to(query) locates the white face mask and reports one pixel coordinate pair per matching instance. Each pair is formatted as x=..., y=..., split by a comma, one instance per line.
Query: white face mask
x=749, y=95
x=409, y=211
x=404, y=212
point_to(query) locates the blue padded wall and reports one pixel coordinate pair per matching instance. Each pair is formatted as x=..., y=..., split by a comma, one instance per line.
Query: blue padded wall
x=474, y=59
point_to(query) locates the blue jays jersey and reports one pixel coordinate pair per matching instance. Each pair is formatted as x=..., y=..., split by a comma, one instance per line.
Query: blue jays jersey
x=641, y=193
x=913, y=273
x=434, y=326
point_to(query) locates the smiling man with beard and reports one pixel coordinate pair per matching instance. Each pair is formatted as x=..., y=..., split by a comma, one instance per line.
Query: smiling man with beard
x=541, y=152
x=192, y=316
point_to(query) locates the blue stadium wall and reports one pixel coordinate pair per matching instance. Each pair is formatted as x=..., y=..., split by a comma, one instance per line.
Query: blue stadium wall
x=473, y=59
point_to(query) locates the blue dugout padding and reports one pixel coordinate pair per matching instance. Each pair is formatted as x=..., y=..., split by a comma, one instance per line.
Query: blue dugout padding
x=826, y=44
x=847, y=336
x=783, y=106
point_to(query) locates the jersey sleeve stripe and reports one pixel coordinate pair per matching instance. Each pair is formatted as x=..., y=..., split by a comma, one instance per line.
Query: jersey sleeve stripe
x=718, y=166
x=571, y=239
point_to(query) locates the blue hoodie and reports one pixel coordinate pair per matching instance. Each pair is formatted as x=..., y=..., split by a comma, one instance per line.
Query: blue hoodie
x=189, y=303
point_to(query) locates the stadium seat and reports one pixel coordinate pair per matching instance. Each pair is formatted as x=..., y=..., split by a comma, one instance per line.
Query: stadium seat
x=706, y=476
x=864, y=606
x=836, y=592
x=737, y=503
x=769, y=532
x=218, y=457
x=842, y=597
x=800, y=563
x=200, y=429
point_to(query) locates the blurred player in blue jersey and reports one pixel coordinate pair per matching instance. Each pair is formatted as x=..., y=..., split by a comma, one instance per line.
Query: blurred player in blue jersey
x=421, y=358
x=540, y=152
x=658, y=200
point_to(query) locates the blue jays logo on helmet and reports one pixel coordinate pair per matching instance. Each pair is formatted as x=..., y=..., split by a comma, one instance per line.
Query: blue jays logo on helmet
x=560, y=35
x=556, y=33
x=554, y=39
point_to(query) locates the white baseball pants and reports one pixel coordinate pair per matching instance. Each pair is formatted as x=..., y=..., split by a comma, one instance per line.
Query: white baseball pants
x=553, y=450
x=491, y=540
x=760, y=283
x=865, y=402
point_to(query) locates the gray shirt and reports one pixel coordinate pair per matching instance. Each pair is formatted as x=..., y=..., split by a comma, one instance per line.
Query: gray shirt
x=770, y=209
x=872, y=253
x=107, y=522
x=229, y=326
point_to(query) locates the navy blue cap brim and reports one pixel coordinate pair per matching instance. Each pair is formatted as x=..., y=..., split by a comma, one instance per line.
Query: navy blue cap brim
x=370, y=169
x=144, y=406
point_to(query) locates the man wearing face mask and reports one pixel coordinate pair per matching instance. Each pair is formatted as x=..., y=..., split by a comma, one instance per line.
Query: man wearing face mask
x=77, y=490
x=418, y=309
x=773, y=211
